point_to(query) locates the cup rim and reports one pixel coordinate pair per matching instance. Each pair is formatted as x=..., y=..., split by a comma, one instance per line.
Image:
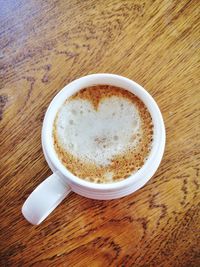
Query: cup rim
x=154, y=159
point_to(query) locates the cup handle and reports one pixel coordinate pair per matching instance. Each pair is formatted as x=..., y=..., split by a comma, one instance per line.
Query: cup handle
x=44, y=199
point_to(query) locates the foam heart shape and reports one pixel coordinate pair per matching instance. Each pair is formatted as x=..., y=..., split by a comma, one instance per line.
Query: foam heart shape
x=98, y=135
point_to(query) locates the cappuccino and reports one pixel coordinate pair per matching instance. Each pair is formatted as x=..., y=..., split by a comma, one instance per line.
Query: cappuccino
x=103, y=134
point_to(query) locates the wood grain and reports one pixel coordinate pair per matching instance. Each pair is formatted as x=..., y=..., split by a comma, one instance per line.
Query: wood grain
x=43, y=46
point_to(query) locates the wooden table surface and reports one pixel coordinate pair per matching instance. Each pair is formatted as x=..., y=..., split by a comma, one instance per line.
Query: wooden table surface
x=43, y=46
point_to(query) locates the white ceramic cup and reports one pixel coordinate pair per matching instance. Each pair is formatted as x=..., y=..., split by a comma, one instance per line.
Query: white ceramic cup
x=45, y=198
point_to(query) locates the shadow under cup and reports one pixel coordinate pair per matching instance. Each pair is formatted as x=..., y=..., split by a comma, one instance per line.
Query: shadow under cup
x=107, y=190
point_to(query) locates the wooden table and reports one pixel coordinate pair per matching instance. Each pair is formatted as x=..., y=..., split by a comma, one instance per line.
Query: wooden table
x=44, y=46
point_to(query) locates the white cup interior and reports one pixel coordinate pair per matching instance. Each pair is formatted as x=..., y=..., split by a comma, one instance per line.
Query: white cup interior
x=110, y=79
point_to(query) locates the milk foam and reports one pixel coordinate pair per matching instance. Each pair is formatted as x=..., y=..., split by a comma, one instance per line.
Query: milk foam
x=98, y=135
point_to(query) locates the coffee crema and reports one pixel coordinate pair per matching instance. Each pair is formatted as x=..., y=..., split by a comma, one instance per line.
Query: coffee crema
x=103, y=134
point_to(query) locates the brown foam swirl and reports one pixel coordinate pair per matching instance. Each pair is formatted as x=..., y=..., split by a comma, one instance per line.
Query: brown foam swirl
x=121, y=165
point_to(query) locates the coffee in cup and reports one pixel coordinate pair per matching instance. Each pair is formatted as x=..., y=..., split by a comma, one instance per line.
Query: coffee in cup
x=103, y=134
